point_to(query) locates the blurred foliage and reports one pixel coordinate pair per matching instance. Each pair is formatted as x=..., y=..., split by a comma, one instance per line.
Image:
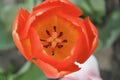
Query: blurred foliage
x=111, y=31
x=7, y=15
x=94, y=8
x=6, y=74
x=108, y=29
x=29, y=72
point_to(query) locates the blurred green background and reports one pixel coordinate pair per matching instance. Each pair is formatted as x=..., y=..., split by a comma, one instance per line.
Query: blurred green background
x=105, y=14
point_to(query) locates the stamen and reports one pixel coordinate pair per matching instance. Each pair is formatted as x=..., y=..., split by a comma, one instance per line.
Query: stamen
x=48, y=33
x=59, y=46
x=54, y=28
x=60, y=34
x=42, y=40
x=53, y=53
x=46, y=46
x=53, y=40
x=64, y=41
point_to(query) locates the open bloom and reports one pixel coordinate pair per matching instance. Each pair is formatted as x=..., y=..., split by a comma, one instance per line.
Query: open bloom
x=54, y=37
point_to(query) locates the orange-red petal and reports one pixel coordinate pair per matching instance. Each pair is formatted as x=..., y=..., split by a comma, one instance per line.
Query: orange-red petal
x=17, y=29
x=92, y=34
x=82, y=46
x=27, y=48
x=20, y=21
x=31, y=19
x=52, y=72
x=65, y=6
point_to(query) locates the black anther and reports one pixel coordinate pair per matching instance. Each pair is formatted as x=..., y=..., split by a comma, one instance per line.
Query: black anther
x=42, y=40
x=54, y=28
x=53, y=53
x=48, y=33
x=60, y=34
x=59, y=46
x=64, y=41
x=46, y=46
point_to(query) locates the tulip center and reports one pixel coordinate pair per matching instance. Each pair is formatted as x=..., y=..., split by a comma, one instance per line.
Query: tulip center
x=54, y=40
x=57, y=36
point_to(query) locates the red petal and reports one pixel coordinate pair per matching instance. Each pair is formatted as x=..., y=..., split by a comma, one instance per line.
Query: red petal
x=52, y=72
x=84, y=51
x=20, y=21
x=92, y=37
x=20, y=46
x=31, y=20
x=17, y=29
x=27, y=48
x=57, y=6
x=92, y=34
x=82, y=46
x=17, y=42
x=66, y=7
x=35, y=44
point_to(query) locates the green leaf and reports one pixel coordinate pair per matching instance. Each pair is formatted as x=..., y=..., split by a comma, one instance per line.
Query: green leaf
x=28, y=4
x=83, y=5
x=111, y=30
x=94, y=8
x=98, y=6
x=2, y=77
x=38, y=2
x=30, y=72
x=7, y=15
x=6, y=41
x=113, y=37
x=4, y=74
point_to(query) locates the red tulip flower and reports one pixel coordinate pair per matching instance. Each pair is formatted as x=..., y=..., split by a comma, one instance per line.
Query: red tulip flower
x=54, y=37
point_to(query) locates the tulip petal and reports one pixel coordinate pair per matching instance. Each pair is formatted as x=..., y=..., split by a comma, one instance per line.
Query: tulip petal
x=52, y=72
x=17, y=29
x=82, y=46
x=17, y=42
x=32, y=18
x=92, y=34
x=35, y=44
x=20, y=20
x=66, y=7
x=27, y=48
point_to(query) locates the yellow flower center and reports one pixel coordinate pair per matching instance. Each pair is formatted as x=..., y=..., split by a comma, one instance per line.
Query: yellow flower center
x=57, y=36
x=54, y=40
